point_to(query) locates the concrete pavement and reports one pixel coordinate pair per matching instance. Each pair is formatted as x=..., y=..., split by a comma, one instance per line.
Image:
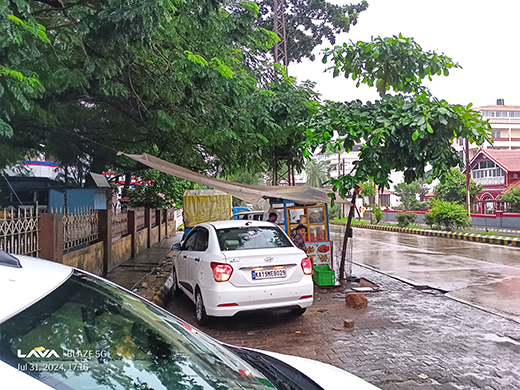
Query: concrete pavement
x=147, y=273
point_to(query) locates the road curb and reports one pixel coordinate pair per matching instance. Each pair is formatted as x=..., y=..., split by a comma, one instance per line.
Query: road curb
x=162, y=295
x=495, y=240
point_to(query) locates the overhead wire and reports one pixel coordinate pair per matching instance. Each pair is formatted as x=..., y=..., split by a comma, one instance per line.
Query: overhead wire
x=12, y=189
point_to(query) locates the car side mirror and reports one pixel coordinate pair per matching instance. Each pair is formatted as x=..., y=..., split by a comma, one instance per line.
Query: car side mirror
x=176, y=247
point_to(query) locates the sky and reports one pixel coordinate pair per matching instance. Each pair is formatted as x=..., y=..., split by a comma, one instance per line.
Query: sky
x=482, y=36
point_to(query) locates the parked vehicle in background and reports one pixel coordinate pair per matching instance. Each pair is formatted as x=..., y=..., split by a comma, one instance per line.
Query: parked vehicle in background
x=250, y=216
x=64, y=328
x=240, y=209
x=228, y=267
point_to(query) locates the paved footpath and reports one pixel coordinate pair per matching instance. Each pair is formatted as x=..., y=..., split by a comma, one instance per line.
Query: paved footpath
x=406, y=338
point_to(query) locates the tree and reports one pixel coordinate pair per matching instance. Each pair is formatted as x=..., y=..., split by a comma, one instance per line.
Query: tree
x=409, y=192
x=403, y=132
x=512, y=195
x=317, y=172
x=17, y=87
x=173, y=79
x=309, y=22
x=453, y=187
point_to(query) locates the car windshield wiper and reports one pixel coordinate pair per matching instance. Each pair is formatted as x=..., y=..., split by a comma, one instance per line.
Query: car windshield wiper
x=282, y=375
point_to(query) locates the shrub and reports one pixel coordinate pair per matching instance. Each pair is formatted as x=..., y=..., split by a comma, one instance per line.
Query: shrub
x=423, y=206
x=377, y=213
x=449, y=215
x=406, y=218
x=428, y=219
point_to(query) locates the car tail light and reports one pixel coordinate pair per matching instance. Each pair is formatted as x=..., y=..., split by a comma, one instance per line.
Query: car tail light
x=221, y=272
x=307, y=266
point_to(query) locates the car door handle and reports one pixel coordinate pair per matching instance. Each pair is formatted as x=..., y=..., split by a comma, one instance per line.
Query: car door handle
x=197, y=259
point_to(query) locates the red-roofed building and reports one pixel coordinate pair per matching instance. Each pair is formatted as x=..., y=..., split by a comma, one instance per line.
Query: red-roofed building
x=496, y=170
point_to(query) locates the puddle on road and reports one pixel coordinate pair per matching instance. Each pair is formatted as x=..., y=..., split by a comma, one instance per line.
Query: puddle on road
x=499, y=339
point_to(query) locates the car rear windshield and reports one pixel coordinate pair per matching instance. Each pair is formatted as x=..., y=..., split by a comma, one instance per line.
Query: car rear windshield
x=252, y=237
x=89, y=334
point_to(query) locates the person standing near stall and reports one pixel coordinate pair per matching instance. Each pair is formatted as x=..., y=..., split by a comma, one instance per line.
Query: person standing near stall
x=298, y=237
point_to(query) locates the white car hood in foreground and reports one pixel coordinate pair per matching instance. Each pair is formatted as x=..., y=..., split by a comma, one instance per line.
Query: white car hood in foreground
x=325, y=375
x=22, y=287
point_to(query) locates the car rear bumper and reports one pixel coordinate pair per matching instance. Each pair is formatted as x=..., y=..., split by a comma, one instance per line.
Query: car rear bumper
x=226, y=300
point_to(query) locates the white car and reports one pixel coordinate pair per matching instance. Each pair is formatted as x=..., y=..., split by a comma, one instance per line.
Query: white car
x=62, y=328
x=227, y=267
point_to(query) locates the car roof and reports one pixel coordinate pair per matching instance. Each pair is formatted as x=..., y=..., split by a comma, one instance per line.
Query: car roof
x=237, y=223
x=20, y=287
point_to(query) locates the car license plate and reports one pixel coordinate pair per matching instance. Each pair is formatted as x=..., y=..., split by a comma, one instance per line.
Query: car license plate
x=268, y=274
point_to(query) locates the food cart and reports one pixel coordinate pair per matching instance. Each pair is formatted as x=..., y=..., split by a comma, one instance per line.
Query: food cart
x=316, y=220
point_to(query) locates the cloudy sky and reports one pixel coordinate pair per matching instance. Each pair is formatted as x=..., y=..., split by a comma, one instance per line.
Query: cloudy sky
x=482, y=36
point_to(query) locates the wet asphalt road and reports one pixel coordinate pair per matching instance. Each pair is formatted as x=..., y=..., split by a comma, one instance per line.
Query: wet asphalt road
x=485, y=275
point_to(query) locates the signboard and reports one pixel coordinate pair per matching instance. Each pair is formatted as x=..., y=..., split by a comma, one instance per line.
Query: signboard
x=320, y=253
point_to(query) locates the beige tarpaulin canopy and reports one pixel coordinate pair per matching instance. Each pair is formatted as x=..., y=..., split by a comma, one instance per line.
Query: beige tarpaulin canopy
x=248, y=193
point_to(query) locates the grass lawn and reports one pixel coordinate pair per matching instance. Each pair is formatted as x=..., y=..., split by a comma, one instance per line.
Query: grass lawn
x=480, y=232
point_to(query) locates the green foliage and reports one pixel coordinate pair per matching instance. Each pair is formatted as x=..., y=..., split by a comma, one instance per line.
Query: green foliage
x=147, y=196
x=367, y=189
x=18, y=85
x=179, y=80
x=399, y=132
x=512, y=195
x=428, y=219
x=406, y=218
x=447, y=216
x=309, y=22
x=377, y=213
x=453, y=188
x=160, y=190
x=396, y=63
x=409, y=192
x=388, y=127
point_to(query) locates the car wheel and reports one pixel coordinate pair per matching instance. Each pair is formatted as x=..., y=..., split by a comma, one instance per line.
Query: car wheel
x=175, y=286
x=200, y=311
x=298, y=312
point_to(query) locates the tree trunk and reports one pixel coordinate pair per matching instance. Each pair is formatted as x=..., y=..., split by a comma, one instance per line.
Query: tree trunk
x=345, y=238
x=468, y=196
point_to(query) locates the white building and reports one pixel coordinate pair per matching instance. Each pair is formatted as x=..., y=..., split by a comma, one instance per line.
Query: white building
x=505, y=125
x=36, y=167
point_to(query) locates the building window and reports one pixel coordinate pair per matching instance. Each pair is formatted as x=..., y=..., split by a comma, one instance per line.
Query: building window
x=487, y=173
x=500, y=114
x=495, y=133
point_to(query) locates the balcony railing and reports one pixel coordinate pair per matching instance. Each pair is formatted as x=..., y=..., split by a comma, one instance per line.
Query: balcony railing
x=488, y=181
